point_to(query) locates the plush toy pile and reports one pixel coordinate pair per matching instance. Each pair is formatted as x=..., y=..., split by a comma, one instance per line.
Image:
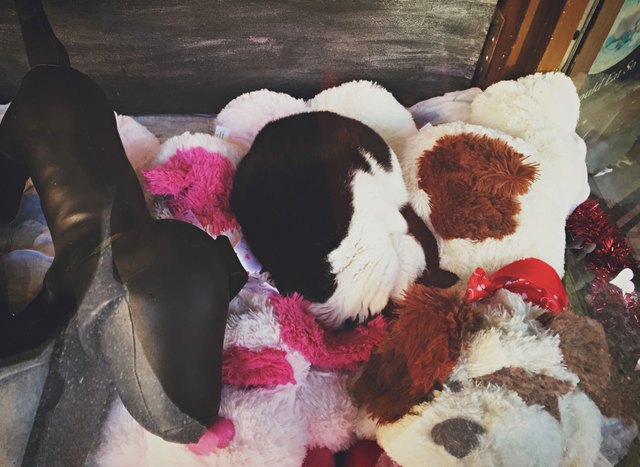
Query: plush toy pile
x=285, y=391
x=354, y=213
x=492, y=387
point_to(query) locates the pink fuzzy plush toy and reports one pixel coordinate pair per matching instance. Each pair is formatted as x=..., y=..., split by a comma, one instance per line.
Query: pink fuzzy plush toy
x=285, y=391
x=498, y=186
x=194, y=174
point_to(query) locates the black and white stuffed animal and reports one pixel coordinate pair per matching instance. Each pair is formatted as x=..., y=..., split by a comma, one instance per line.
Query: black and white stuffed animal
x=322, y=203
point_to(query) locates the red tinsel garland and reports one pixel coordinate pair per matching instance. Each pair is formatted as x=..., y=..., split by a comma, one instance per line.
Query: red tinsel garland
x=611, y=255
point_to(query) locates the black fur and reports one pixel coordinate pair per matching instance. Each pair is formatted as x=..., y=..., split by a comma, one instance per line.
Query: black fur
x=292, y=195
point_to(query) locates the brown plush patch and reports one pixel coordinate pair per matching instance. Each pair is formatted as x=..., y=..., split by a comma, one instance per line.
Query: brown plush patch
x=473, y=182
x=458, y=436
x=584, y=347
x=384, y=387
x=420, y=350
x=432, y=276
x=533, y=388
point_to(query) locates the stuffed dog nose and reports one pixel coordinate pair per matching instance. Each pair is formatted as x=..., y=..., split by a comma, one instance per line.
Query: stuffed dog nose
x=459, y=436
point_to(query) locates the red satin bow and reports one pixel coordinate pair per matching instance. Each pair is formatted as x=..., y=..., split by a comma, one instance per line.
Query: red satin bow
x=531, y=278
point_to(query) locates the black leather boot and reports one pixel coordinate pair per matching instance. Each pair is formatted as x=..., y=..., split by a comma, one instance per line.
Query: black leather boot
x=149, y=298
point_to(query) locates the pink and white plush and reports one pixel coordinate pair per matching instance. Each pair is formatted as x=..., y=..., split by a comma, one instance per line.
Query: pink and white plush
x=194, y=174
x=285, y=392
x=535, y=116
x=478, y=419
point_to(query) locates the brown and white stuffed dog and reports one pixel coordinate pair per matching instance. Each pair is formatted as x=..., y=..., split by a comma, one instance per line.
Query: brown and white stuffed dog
x=484, y=384
x=499, y=186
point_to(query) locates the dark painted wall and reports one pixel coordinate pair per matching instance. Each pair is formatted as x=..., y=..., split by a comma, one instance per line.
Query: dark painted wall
x=155, y=56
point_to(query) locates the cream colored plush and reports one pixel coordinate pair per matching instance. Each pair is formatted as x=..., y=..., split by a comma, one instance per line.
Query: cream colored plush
x=542, y=109
x=140, y=145
x=536, y=115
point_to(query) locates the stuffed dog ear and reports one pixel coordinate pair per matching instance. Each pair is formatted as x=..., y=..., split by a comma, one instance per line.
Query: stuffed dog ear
x=384, y=388
x=514, y=106
x=372, y=105
x=586, y=353
x=421, y=349
x=248, y=113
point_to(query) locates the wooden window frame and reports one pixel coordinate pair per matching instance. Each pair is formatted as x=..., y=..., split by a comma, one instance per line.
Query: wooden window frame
x=539, y=35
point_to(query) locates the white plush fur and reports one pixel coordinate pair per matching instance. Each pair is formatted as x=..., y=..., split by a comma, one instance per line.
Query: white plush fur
x=251, y=323
x=378, y=259
x=247, y=114
x=273, y=427
x=549, y=98
x=451, y=107
x=372, y=105
x=139, y=143
x=512, y=338
x=328, y=412
x=365, y=101
x=515, y=433
x=189, y=140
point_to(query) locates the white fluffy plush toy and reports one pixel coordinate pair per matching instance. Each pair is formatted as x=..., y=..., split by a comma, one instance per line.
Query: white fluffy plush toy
x=493, y=388
x=285, y=392
x=499, y=186
x=242, y=119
